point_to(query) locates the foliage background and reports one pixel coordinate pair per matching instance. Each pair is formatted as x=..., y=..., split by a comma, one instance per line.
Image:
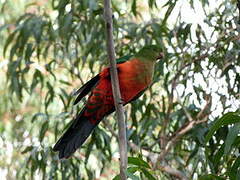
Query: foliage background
x=186, y=125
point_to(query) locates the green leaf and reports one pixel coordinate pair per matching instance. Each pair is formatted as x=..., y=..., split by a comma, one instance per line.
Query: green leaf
x=50, y=95
x=217, y=157
x=117, y=177
x=132, y=176
x=9, y=40
x=37, y=77
x=226, y=119
x=65, y=82
x=186, y=31
x=27, y=149
x=134, y=7
x=169, y=11
x=232, y=134
x=233, y=172
x=43, y=130
x=62, y=4
x=66, y=25
x=193, y=153
x=44, y=116
x=210, y=177
x=138, y=162
x=148, y=174
x=132, y=169
x=151, y=3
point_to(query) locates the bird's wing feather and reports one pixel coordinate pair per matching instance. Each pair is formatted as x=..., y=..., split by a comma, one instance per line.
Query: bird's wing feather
x=86, y=88
x=123, y=59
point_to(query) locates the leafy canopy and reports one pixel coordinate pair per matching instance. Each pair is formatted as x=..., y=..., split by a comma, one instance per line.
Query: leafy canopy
x=188, y=120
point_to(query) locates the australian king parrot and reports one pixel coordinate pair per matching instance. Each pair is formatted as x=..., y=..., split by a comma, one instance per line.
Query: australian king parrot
x=135, y=75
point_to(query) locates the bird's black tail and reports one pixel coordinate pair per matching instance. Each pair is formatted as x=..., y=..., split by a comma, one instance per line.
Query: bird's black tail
x=74, y=137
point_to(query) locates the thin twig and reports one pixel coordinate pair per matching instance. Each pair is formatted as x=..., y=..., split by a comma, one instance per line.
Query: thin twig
x=116, y=90
x=174, y=172
x=186, y=128
x=174, y=82
x=184, y=109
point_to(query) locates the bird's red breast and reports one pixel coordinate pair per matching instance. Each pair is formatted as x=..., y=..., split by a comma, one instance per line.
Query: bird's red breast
x=134, y=76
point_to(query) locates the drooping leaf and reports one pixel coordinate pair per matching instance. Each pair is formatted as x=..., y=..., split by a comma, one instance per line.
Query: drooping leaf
x=234, y=170
x=232, y=134
x=210, y=177
x=138, y=162
x=226, y=119
x=43, y=130
x=148, y=174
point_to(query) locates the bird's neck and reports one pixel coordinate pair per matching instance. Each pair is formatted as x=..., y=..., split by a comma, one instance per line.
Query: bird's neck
x=147, y=69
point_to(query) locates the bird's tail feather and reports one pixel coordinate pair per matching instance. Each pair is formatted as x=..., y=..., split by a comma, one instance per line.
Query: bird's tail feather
x=74, y=137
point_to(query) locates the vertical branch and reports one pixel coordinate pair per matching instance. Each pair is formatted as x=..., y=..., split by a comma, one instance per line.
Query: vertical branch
x=116, y=90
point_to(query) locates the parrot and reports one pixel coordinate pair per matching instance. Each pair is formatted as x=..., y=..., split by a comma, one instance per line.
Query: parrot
x=135, y=73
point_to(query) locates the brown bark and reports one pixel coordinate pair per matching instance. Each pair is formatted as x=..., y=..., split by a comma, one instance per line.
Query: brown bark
x=116, y=90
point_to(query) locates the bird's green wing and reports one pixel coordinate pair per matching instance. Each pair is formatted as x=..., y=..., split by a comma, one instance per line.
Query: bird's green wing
x=123, y=59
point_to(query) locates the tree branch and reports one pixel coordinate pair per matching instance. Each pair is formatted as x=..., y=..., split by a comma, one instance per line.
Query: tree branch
x=174, y=172
x=116, y=90
x=186, y=128
x=151, y=156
